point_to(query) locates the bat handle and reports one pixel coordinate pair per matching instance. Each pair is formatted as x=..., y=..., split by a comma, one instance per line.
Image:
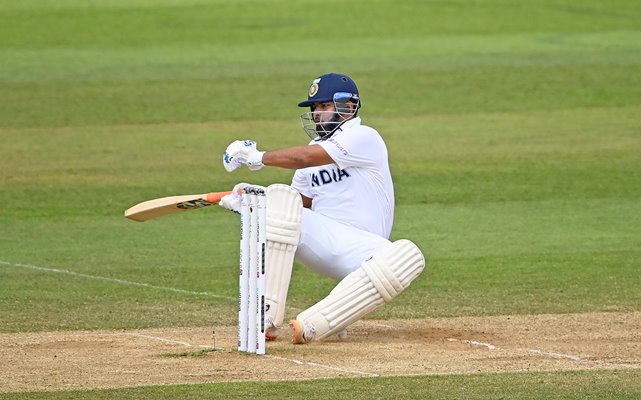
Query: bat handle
x=214, y=197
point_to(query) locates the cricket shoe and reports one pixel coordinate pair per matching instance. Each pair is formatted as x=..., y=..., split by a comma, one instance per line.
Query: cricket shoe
x=303, y=333
x=271, y=333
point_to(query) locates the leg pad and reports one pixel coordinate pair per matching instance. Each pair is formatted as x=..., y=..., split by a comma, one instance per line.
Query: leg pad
x=378, y=281
x=284, y=213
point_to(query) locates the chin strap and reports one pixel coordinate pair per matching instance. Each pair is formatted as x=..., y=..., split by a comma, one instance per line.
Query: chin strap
x=335, y=120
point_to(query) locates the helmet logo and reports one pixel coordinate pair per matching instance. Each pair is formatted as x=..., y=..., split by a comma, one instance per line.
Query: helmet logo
x=314, y=88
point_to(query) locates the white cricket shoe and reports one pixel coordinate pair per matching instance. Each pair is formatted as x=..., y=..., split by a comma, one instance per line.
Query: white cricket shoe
x=271, y=332
x=303, y=333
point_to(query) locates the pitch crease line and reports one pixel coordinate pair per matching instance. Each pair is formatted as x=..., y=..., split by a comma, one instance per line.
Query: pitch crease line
x=313, y=364
x=143, y=336
x=116, y=280
x=550, y=354
x=161, y=339
x=581, y=360
x=556, y=355
x=474, y=343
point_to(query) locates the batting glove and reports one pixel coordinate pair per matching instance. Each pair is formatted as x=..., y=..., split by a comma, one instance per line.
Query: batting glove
x=232, y=202
x=243, y=152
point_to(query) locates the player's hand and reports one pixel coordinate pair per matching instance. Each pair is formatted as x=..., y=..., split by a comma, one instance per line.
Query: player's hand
x=243, y=152
x=232, y=202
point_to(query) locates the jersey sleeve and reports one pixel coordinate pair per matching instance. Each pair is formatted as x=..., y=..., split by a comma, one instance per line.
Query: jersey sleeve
x=300, y=183
x=357, y=148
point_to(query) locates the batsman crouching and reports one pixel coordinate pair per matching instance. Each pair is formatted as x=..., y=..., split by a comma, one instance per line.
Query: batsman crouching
x=336, y=218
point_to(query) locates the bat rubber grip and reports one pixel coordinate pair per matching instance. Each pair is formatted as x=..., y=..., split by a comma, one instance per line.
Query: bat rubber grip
x=214, y=197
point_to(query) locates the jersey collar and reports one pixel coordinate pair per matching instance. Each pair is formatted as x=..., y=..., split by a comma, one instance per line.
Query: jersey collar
x=356, y=121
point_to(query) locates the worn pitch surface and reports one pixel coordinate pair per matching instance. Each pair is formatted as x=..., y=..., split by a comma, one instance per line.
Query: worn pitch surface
x=112, y=359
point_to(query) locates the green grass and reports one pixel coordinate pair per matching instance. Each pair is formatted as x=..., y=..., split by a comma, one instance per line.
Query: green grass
x=514, y=141
x=603, y=385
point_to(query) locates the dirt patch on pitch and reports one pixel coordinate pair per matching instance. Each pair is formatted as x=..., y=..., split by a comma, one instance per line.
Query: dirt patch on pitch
x=110, y=359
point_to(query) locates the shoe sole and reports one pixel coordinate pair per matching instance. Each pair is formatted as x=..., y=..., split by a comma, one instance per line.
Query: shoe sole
x=270, y=336
x=298, y=332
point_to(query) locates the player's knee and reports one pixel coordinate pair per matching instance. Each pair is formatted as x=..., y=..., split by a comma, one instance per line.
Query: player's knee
x=392, y=269
x=377, y=281
x=284, y=211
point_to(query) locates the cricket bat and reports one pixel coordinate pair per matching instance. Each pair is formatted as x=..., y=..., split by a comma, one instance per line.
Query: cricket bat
x=174, y=204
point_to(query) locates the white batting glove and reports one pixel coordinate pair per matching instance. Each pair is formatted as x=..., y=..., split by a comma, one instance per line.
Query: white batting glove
x=243, y=152
x=232, y=201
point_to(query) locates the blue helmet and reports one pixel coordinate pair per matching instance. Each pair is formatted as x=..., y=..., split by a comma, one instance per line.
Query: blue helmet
x=325, y=87
x=337, y=88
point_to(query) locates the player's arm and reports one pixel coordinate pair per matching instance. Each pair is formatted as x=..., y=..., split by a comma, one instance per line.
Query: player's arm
x=307, y=201
x=245, y=152
x=297, y=157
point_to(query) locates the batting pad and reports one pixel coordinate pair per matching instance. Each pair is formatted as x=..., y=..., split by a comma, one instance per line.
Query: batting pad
x=377, y=281
x=284, y=213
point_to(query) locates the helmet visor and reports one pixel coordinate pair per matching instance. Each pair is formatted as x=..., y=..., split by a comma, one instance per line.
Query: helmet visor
x=342, y=102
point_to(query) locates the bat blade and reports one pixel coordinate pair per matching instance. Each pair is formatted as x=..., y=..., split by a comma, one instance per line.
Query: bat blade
x=151, y=209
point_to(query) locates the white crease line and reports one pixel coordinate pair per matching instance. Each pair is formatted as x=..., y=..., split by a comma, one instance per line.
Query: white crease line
x=161, y=339
x=140, y=335
x=555, y=355
x=313, y=364
x=581, y=360
x=298, y=362
x=617, y=365
x=473, y=343
x=550, y=354
x=116, y=280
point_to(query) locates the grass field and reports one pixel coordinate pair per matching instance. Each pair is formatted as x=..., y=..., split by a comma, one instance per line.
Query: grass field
x=514, y=132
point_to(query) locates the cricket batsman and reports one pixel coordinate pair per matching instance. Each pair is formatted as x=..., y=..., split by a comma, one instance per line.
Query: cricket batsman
x=335, y=218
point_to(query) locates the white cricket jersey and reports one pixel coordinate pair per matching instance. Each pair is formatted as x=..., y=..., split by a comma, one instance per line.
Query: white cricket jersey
x=357, y=189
